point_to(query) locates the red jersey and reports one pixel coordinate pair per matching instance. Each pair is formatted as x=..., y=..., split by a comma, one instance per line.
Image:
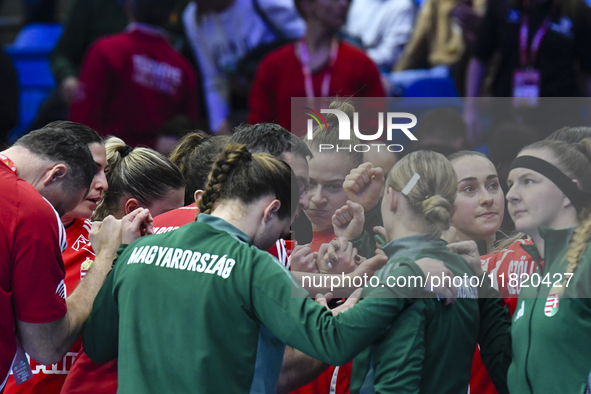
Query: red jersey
x=334, y=380
x=31, y=268
x=280, y=77
x=132, y=83
x=513, y=260
x=174, y=219
x=78, y=257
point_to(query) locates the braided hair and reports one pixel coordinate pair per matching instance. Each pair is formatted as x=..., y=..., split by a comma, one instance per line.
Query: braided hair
x=238, y=174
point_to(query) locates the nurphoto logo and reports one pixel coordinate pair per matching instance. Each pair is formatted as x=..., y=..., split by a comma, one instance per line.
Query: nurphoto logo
x=388, y=118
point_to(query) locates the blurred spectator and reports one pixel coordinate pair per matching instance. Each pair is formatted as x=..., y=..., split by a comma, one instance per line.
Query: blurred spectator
x=39, y=11
x=382, y=27
x=85, y=22
x=317, y=65
x=223, y=33
x=444, y=35
x=552, y=60
x=8, y=98
x=133, y=82
x=564, y=44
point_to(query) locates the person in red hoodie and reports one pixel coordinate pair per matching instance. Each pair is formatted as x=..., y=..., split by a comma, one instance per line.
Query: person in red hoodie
x=318, y=65
x=133, y=82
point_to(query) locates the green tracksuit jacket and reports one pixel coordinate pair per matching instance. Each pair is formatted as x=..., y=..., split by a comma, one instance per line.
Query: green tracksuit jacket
x=551, y=327
x=200, y=309
x=429, y=346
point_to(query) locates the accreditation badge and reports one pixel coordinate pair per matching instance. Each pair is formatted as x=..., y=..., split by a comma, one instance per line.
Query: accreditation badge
x=526, y=88
x=553, y=301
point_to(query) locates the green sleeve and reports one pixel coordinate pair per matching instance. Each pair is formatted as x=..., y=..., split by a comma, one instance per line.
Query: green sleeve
x=373, y=217
x=100, y=335
x=397, y=359
x=494, y=337
x=68, y=54
x=280, y=304
x=365, y=246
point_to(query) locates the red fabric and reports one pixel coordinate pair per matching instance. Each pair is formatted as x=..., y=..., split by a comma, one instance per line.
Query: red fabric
x=131, y=84
x=31, y=266
x=280, y=77
x=77, y=260
x=322, y=384
x=86, y=376
x=513, y=260
x=321, y=237
x=174, y=219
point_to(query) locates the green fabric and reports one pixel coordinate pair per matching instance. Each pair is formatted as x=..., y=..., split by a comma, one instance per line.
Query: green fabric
x=428, y=348
x=85, y=22
x=179, y=322
x=552, y=349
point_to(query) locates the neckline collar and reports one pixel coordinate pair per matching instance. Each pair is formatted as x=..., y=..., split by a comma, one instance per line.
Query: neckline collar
x=222, y=225
x=411, y=245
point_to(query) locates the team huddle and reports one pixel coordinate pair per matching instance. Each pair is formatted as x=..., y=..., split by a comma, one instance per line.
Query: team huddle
x=199, y=272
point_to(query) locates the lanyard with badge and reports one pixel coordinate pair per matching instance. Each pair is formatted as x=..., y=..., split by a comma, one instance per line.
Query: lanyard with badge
x=526, y=80
x=305, y=59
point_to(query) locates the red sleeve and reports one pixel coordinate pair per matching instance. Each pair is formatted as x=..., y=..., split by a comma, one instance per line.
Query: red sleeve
x=91, y=107
x=38, y=287
x=371, y=80
x=262, y=99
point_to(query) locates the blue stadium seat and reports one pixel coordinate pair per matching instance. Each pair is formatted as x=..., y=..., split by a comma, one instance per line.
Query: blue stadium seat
x=432, y=87
x=30, y=53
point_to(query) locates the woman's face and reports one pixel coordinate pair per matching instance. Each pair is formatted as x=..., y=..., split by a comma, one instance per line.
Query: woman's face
x=479, y=205
x=326, y=193
x=534, y=200
x=97, y=187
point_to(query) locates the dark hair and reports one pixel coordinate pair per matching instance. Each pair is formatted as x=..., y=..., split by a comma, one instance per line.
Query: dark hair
x=144, y=173
x=270, y=138
x=59, y=142
x=570, y=134
x=83, y=132
x=238, y=174
x=331, y=136
x=153, y=12
x=573, y=159
x=194, y=156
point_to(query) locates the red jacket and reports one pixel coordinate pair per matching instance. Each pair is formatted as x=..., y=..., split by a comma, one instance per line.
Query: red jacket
x=280, y=77
x=132, y=83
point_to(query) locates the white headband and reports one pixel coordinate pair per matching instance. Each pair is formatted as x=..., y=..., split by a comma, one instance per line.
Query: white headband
x=413, y=181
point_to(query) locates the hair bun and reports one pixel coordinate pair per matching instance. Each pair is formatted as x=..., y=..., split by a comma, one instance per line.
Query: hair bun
x=437, y=209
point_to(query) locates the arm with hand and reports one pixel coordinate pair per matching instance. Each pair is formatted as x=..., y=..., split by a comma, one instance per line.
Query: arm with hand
x=49, y=342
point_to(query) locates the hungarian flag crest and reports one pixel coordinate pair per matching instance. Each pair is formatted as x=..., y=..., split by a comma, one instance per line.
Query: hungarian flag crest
x=552, y=302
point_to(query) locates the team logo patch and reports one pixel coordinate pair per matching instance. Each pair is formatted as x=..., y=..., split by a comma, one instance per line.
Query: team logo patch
x=84, y=267
x=61, y=290
x=552, y=304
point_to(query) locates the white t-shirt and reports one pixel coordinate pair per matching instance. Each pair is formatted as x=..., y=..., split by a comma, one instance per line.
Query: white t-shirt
x=383, y=26
x=220, y=40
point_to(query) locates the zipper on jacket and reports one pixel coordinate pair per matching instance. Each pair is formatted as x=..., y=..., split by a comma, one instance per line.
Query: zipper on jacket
x=531, y=390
